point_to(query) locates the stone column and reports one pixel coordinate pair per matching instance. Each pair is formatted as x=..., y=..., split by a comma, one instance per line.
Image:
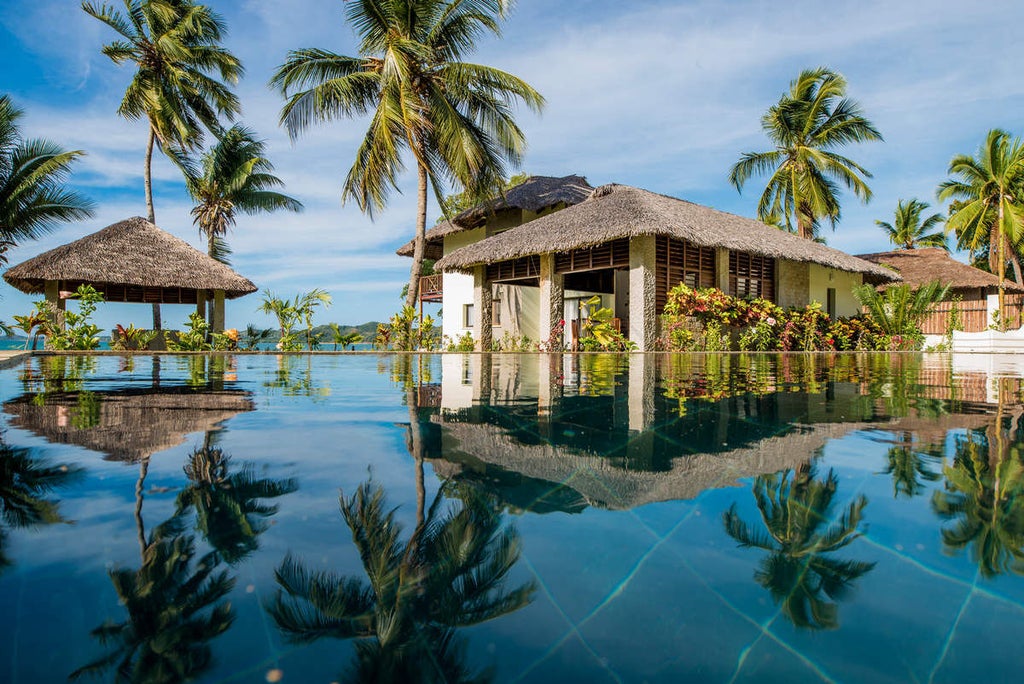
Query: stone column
x=640, y=399
x=483, y=306
x=643, y=320
x=552, y=297
x=722, y=269
x=52, y=290
x=217, y=324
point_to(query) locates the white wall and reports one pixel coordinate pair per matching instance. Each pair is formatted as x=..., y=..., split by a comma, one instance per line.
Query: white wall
x=458, y=287
x=822, y=278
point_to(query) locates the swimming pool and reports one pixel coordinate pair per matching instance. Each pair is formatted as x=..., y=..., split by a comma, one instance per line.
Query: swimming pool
x=507, y=518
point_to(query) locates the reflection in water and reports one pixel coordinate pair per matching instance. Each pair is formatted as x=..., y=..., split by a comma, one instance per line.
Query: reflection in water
x=800, y=536
x=25, y=483
x=227, y=504
x=983, y=496
x=294, y=378
x=449, y=574
x=174, y=609
x=912, y=466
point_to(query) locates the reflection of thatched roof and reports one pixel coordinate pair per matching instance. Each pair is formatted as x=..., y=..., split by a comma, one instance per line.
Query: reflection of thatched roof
x=618, y=211
x=601, y=483
x=535, y=194
x=130, y=424
x=921, y=266
x=133, y=252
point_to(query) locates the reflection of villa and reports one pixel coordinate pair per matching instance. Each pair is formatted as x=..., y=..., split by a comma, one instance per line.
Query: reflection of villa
x=534, y=257
x=127, y=424
x=560, y=433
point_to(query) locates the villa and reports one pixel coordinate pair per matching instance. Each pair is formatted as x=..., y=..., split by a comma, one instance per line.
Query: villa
x=523, y=263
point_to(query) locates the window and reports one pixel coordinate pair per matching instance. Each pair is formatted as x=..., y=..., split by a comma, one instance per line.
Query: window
x=496, y=313
x=751, y=276
x=467, y=316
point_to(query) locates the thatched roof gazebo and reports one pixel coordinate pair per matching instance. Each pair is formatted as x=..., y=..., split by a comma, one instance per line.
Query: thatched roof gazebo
x=534, y=196
x=132, y=261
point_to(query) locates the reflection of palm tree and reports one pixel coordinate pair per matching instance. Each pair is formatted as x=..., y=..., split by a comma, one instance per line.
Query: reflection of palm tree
x=910, y=468
x=984, y=497
x=24, y=482
x=228, y=510
x=449, y=574
x=796, y=512
x=166, y=635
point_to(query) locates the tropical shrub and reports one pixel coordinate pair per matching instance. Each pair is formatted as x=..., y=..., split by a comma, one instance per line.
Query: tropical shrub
x=512, y=343
x=463, y=343
x=78, y=331
x=255, y=336
x=193, y=338
x=899, y=310
x=603, y=335
x=707, y=319
x=131, y=338
x=407, y=332
x=225, y=341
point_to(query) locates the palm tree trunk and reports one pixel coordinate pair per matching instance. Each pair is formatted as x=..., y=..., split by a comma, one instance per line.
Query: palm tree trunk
x=420, y=244
x=147, y=179
x=140, y=528
x=1015, y=262
x=1002, y=267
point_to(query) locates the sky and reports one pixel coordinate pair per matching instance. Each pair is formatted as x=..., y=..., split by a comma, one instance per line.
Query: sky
x=663, y=95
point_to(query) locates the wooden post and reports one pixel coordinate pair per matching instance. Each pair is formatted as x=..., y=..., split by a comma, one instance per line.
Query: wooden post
x=201, y=303
x=52, y=291
x=217, y=325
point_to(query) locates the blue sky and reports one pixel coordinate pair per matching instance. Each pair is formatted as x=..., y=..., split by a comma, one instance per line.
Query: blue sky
x=661, y=95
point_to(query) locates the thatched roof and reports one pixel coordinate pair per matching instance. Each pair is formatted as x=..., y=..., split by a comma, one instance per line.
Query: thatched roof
x=134, y=253
x=130, y=424
x=920, y=266
x=535, y=194
x=619, y=211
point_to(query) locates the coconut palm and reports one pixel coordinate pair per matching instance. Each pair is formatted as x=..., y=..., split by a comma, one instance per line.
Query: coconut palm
x=306, y=304
x=174, y=610
x=33, y=197
x=911, y=467
x=235, y=176
x=800, y=536
x=454, y=117
x=807, y=125
x=342, y=338
x=175, y=45
x=987, y=192
x=910, y=231
x=449, y=574
x=254, y=336
x=228, y=506
x=25, y=483
x=983, y=498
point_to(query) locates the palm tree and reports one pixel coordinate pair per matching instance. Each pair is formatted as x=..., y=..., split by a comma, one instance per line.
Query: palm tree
x=254, y=336
x=175, y=45
x=306, y=304
x=910, y=232
x=284, y=311
x=449, y=574
x=986, y=190
x=165, y=637
x=453, y=116
x=799, y=571
x=344, y=339
x=236, y=177
x=984, y=498
x=25, y=482
x=900, y=309
x=229, y=512
x=33, y=198
x=807, y=124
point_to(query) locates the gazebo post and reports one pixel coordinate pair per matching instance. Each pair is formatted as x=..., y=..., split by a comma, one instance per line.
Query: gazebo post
x=52, y=290
x=217, y=324
x=552, y=298
x=643, y=319
x=201, y=303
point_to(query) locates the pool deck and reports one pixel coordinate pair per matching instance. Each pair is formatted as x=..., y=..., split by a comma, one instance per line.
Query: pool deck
x=13, y=357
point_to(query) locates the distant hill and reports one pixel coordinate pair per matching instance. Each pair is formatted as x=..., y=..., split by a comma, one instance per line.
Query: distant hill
x=368, y=330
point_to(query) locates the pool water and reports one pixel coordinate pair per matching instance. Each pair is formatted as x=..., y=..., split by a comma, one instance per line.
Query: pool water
x=534, y=518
